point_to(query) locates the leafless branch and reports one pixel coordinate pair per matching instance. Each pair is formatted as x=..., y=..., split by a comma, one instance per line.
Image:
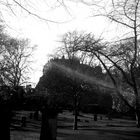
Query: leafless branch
x=36, y=15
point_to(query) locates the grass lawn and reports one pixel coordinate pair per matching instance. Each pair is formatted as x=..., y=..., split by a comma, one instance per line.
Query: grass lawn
x=88, y=129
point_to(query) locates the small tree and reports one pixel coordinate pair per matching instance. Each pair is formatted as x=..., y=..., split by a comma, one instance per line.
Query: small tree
x=65, y=82
x=62, y=87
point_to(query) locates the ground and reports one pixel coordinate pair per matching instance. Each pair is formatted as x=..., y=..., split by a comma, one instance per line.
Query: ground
x=88, y=129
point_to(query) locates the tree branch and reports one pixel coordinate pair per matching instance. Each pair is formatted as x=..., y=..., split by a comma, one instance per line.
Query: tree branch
x=35, y=15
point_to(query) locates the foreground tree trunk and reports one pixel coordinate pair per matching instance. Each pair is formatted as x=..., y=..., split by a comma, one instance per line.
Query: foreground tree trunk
x=138, y=116
x=48, y=126
x=5, y=117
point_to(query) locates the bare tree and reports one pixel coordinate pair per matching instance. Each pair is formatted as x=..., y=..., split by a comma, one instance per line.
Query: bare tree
x=67, y=47
x=15, y=62
x=125, y=13
x=118, y=56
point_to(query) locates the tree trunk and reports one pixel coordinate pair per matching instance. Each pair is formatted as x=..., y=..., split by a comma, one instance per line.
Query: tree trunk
x=75, y=113
x=75, y=120
x=48, y=126
x=138, y=117
x=45, y=131
x=95, y=117
x=5, y=117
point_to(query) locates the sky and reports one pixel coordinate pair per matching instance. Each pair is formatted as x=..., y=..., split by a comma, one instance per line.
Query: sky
x=46, y=35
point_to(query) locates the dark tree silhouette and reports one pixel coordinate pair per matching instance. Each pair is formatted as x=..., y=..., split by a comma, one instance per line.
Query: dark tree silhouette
x=14, y=67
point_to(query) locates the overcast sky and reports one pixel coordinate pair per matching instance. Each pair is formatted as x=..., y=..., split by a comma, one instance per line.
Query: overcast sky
x=46, y=35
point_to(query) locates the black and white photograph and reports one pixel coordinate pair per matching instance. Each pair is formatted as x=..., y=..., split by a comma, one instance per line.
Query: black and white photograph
x=69, y=69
